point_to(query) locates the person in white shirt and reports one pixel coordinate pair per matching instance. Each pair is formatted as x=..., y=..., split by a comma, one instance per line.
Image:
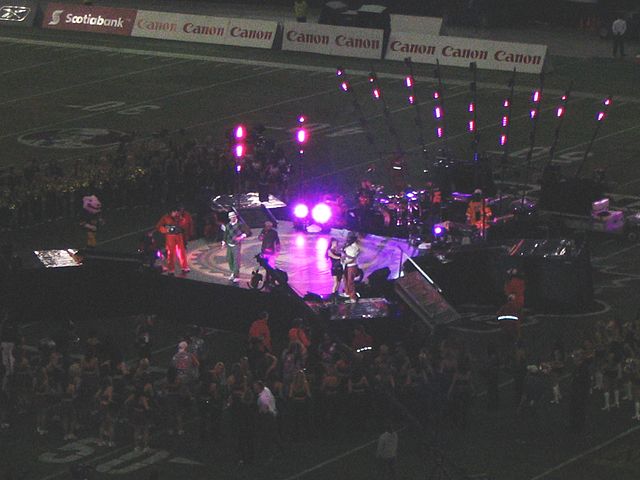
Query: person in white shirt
x=387, y=451
x=618, y=28
x=267, y=422
x=350, y=260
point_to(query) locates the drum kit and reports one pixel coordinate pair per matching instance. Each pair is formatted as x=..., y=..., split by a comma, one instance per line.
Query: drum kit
x=403, y=211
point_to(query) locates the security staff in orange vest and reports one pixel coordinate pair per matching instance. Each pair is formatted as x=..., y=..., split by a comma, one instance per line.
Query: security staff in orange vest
x=478, y=212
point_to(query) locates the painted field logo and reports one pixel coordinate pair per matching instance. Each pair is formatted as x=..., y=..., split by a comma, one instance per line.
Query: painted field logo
x=14, y=13
x=68, y=138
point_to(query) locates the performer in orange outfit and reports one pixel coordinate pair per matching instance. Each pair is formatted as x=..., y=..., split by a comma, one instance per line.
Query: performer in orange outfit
x=169, y=225
x=478, y=212
x=186, y=224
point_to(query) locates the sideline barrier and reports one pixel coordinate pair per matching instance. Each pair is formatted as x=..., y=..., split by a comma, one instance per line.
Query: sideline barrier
x=458, y=52
x=332, y=40
x=204, y=29
x=116, y=21
x=19, y=14
x=415, y=24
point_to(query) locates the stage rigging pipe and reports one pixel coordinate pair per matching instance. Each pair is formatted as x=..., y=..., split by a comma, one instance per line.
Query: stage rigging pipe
x=473, y=120
x=536, y=99
x=505, y=130
x=561, y=111
x=377, y=94
x=413, y=100
x=600, y=117
x=438, y=96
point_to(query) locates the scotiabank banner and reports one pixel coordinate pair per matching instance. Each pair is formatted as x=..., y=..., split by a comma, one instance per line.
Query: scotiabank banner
x=459, y=52
x=116, y=21
x=332, y=40
x=205, y=29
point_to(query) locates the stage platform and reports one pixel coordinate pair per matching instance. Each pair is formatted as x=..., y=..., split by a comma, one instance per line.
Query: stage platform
x=302, y=256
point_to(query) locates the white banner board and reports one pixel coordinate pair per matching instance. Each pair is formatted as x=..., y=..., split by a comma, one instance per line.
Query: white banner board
x=413, y=24
x=332, y=40
x=205, y=29
x=459, y=52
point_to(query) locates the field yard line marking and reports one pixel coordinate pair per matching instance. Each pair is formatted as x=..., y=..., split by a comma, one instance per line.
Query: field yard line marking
x=284, y=65
x=601, y=137
x=597, y=259
x=586, y=452
x=35, y=65
x=330, y=460
x=93, y=82
x=143, y=102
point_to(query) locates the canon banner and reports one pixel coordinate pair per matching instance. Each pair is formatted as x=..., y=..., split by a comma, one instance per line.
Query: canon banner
x=332, y=40
x=459, y=52
x=19, y=14
x=204, y=29
x=117, y=21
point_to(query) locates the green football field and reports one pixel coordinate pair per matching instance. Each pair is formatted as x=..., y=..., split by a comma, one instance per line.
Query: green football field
x=68, y=96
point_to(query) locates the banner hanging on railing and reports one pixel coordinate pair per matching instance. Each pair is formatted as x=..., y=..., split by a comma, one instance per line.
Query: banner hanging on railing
x=332, y=40
x=459, y=52
x=204, y=29
x=84, y=18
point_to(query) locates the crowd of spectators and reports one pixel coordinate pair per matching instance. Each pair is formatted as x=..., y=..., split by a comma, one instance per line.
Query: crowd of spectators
x=272, y=396
x=157, y=170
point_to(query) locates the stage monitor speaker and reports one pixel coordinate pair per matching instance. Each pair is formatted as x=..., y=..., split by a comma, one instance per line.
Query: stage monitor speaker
x=330, y=12
x=255, y=217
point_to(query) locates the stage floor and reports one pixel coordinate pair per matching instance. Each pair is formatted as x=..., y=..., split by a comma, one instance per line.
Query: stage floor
x=302, y=256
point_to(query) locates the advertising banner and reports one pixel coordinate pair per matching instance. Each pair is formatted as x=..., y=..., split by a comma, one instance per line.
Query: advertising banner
x=332, y=40
x=459, y=52
x=84, y=18
x=205, y=29
x=18, y=14
x=413, y=24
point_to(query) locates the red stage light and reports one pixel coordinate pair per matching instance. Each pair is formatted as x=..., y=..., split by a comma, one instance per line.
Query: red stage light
x=472, y=107
x=563, y=98
x=408, y=81
x=345, y=86
x=339, y=72
x=532, y=113
x=436, y=95
x=607, y=102
x=506, y=103
x=302, y=119
x=372, y=77
x=240, y=132
x=536, y=96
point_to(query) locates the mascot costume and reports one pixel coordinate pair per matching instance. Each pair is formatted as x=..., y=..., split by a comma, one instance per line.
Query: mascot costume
x=91, y=218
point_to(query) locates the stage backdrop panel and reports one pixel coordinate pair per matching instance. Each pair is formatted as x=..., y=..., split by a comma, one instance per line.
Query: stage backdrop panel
x=332, y=40
x=459, y=52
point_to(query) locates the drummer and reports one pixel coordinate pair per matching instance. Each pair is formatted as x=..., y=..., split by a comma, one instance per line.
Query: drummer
x=478, y=212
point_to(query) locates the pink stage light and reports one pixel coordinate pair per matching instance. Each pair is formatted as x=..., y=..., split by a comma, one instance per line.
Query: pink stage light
x=439, y=132
x=301, y=136
x=376, y=93
x=345, y=86
x=532, y=114
x=436, y=95
x=408, y=81
x=472, y=107
x=503, y=140
x=240, y=132
x=301, y=211
x=302, y=119
x=560, y=112
x=438, y=230
x=239, y=150
x=437, y=112
x=505, y=121
x=536, y=96
x=321, y=213
x=506, y=103
x=600, y=116
x=472, y=126
x=412, y=99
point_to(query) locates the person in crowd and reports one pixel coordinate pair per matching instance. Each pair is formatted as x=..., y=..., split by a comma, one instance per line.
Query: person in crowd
x=387, y=451
x=556, y=369
x=69, y=413
x=139, y=417
x=186, y=364
x=297, y=333
x=300, y=10
x=234, y=233
x=361, y=339
x=169, y=226
x=351, y=253
x=104, y=400
x=612, y=373
x=144, y=336
x=578, y=391
x=260, y=330
x=177, y=399
x=337, y=271
x=618, y=29
x=213, y=395
x=42, y=398
x=270, y=443
x=300, y=405
x=460, y=393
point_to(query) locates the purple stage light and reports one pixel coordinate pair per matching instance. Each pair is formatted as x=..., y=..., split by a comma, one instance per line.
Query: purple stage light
x=438, y=230
x=321, y=213
x=301, y=211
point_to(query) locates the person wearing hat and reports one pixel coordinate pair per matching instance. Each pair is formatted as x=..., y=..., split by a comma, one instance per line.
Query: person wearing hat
x=169, y=226
x=351, y=253
x=478, y=212
x=234, y=233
